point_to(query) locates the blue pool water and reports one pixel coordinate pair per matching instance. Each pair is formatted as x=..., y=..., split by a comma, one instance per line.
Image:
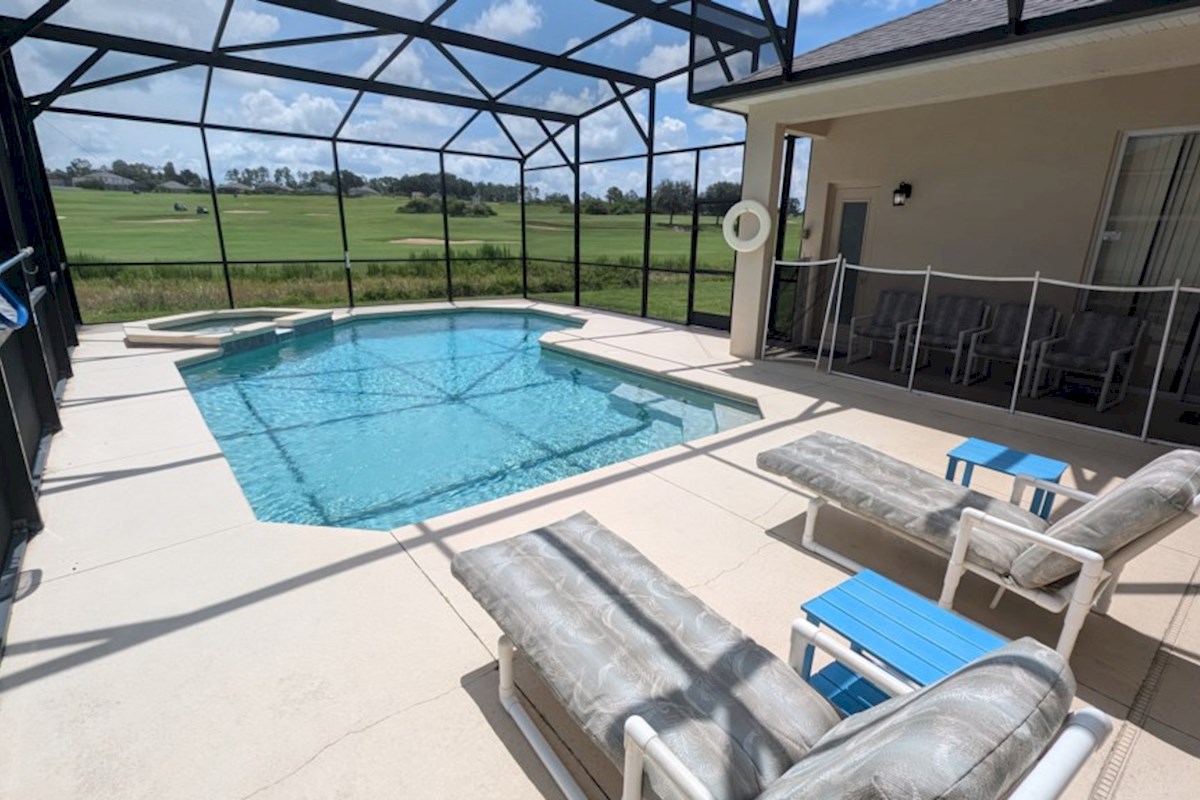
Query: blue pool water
x=379, y=423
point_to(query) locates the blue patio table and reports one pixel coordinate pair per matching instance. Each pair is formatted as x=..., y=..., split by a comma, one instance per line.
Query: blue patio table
x=997, y=457
x=909, y=634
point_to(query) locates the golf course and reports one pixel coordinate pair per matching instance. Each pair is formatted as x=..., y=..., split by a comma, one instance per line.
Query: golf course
x=143, y=255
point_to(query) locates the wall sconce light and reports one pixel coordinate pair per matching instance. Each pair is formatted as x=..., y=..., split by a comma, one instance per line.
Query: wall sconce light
x=902, y=193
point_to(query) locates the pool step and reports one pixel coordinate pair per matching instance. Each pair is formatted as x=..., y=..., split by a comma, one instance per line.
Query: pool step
x=636, y=402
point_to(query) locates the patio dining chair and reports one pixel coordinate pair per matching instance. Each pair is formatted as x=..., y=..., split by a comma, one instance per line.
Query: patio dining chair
x=894, y=312
x=949, y=322
x=1001, y=341
x=1098, y=344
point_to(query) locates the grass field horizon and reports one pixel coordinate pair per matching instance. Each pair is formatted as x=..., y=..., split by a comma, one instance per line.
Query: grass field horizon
x=396, y=257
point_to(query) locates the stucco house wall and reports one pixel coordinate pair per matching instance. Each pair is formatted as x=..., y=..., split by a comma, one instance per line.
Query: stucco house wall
x=1002, y=185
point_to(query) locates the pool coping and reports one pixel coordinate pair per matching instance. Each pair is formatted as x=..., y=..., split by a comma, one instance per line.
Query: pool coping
x=157, y=332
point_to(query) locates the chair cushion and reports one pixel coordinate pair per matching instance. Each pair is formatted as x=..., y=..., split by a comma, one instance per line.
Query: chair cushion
x=1151, y=497
x=993, y=350
x=613, y=636
x=892, y=308
x=971, y=735
x=898, y=496
x=1091, y=340
x=939, y=342
x=1008, y=329
x=951, y=314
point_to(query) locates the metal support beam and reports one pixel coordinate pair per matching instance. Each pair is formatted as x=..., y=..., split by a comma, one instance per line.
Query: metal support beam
x=68, y=81
x=575, y=166
x=222, y=60
x=124, y=77
x=649, y=205
x=23, y=28
x=682, y=20
x=341, y=194
x=328, y=38
x=524, y=241
x=334, y=9
x=446, y=228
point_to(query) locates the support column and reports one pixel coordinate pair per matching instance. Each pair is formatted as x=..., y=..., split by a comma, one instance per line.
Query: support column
x=761, y=166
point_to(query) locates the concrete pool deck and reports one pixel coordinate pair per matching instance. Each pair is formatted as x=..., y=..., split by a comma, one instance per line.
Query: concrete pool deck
x=164, y=643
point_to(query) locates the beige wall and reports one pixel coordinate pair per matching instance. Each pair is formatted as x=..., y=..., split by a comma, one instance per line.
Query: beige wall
x=1003, y=185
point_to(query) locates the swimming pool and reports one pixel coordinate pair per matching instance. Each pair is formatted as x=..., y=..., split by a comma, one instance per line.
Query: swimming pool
x=380, y=423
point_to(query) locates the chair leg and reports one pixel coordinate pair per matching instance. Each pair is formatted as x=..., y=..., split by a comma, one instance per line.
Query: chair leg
x=1101, y=402
x=1081, y=603
x=954, y=368
x=1105, y=598
x=809, y=542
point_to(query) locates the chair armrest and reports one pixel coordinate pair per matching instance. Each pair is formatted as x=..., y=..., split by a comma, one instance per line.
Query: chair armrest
x=806, y=633
x=1046, y=343
x=642, y=744
x=1082, y=734
x=974, y=518
x=1091, y=562
x=1022, y=482
x=907, y=325
x=854, y=321
x=967, y=333
x=1120, y=352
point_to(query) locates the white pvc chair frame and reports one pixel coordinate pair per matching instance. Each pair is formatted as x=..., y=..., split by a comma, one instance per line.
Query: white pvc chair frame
x=1092, y=589
x=1082, y=733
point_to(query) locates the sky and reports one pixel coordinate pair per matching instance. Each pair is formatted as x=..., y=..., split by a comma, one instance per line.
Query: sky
x=250, y=100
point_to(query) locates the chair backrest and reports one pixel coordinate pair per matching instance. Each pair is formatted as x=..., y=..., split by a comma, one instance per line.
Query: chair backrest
x=895, y=306
x=1095, y=334
x=1147, y=506
x=972, y=734
x=951, y=314
x=1008, y=325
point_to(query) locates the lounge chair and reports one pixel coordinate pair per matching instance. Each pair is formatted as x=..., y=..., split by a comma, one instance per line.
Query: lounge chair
x=1095, y=344
x=1072, y=565
x=948, y=325
x=1001, y=341
x=692, y=708
x=894, y=312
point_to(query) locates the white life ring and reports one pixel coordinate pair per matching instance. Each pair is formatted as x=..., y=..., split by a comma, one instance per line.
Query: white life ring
x=759, y=211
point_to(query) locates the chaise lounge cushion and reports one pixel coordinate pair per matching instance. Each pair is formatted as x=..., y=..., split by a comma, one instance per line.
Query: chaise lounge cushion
x=971, y=735
x=613, y=636
x=1151, y=497
x=898, y=496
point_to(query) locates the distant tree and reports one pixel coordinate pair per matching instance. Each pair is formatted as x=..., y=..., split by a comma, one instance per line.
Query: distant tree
x=283, y=176
x=614, y=196
x=594, y=205
x=233, y=176
x=79, y=167
x=672, y=197
x=189, y=178
x=794, y=209
x=351, y=180
x=719, y=197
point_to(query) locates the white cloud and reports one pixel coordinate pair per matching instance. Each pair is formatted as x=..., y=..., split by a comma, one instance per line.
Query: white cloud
x=670, y=134
x=507, y=19
x=306, y=114
x=572, y=43
x=250, y=26
x=663, y=59
x=631, y=34
x=721, y=122
x=806, y=7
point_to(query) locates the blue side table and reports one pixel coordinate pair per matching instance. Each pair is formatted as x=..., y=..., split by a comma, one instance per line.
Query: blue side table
x=997, y=457
x=909, y=634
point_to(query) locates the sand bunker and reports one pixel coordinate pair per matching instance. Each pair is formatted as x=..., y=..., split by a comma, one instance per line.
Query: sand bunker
x=317, y=214
x=419, y=240
x=243, y=211
x=163, y=221
x=549, y=227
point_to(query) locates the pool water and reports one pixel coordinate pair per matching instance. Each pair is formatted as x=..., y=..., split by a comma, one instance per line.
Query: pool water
x=380, y=423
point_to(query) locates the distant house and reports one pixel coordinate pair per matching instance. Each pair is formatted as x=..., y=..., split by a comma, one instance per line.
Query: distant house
x=323, y=188
x=57, y=181
x=173, y=186
x=105, y=180
x=234, y=188
x=270, y=187
x=362, y=191
x=417, y=196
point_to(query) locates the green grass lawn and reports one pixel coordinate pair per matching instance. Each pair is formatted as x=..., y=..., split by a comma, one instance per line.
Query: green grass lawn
x=103, y=230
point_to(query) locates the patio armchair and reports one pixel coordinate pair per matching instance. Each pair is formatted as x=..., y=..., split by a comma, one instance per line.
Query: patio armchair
x=894, y=311
x=687, y=706
x=949, y=322
x=1072, y=565
x=1001, y=340
x=1095, y=344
